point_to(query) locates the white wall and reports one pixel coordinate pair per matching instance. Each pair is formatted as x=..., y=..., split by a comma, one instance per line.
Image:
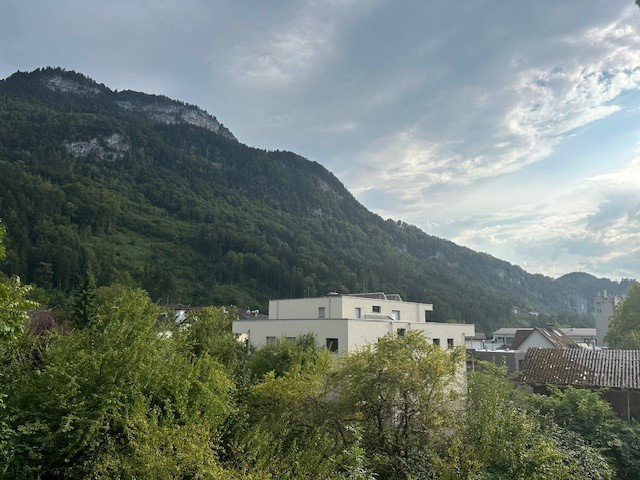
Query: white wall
x=409, y=311
x=351, y=334
x=305, y=308
x=535, y=339
x=259, y=330
x=345, y=307
x=444, y=331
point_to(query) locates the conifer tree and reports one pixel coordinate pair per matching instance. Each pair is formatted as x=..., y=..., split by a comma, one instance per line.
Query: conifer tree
x=84, y=305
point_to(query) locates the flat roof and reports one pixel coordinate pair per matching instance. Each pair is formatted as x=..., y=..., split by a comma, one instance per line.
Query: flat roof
x=385, y=297
x=567, y=330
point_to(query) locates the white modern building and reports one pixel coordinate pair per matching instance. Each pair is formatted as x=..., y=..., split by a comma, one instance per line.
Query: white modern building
x=345, y=323
x=604, y=308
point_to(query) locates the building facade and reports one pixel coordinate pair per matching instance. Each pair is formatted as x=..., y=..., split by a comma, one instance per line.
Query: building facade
x=604, y=308
x=345, y=323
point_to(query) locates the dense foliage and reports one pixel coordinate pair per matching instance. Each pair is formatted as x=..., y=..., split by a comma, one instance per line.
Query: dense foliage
x=624, y=326
x=132, y=395
x=196, y=217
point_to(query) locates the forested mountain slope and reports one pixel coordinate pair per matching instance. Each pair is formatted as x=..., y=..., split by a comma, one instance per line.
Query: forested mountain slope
x=146, y=190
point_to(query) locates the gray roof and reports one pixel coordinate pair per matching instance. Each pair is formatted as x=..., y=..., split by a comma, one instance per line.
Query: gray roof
x=582, y=332
x=377, y=316
x=582, y=368
x=509, y=330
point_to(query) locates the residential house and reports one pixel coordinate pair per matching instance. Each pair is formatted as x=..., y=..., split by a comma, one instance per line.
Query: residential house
x=505, y=336
x=548, y=337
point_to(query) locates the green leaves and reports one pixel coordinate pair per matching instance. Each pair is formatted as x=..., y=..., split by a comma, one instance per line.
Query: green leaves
x=13, y=302
x=624, y=326
x=119, y=388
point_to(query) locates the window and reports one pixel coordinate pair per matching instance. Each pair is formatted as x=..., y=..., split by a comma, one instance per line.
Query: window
x=291, y=339
x=358, y=312
x=436, y=341
x=332, y=345
x=402, y=332
x=320, y=312
x=376, y=309
x=395, y=314
x=271, y=340
x=449, y=342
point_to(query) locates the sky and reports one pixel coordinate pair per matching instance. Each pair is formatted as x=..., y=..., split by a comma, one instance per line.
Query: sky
x=512, y=128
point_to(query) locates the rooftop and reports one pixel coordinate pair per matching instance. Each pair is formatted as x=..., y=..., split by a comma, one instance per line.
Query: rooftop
x=377, y=296
x=554, y=336
x=582, y=368
x=585, y=332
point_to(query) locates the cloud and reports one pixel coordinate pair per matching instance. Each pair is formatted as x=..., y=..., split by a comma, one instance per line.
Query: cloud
x=287, y=54
x=524, y=114
x=595, y=229
x=457, y=170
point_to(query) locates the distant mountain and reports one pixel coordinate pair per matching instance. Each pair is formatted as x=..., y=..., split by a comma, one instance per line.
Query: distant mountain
x=589, y=286
x=146, y=190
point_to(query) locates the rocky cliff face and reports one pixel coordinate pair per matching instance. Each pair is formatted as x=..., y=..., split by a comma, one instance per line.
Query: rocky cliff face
x=58, y=83
x=110, y=147
x=172, y=113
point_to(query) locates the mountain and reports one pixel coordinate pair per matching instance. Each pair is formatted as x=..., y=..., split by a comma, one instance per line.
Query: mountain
x=589, y=286
x=146, y=190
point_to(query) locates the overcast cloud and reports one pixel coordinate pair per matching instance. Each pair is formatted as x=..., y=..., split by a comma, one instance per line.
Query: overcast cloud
x=509, y=127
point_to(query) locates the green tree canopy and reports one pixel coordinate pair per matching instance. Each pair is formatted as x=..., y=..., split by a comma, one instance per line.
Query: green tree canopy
x=13, y=301
x=403, y=393
x=117, y=399
x=624, y=327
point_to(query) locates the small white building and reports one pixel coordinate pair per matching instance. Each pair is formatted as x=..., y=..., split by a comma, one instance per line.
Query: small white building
x=548, y=337
x=505, y=336
x=345, y=323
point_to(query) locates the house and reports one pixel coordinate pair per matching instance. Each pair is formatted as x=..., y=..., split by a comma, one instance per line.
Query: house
x=548, y=337
x=505, y=336
x=617, y=371
x=345, y=323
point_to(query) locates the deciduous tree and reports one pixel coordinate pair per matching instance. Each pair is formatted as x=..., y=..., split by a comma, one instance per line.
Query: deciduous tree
x=624, y=327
